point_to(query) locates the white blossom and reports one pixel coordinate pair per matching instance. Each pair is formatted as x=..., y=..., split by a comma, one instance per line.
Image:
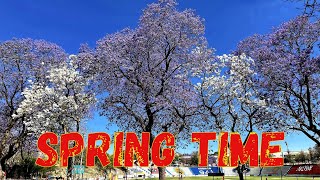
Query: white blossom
x=59, y=105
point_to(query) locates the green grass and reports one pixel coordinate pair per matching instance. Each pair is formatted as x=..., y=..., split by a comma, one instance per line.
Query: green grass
x=246, y=178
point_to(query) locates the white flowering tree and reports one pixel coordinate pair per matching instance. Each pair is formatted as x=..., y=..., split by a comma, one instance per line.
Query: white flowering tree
x=230, y=100
x=58, y=105
x=20, y=60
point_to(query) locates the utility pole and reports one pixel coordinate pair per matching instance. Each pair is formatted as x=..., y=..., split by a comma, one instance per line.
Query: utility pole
x=288, y=155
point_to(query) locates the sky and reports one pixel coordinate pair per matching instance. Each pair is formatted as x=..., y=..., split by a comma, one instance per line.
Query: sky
x=73, y=22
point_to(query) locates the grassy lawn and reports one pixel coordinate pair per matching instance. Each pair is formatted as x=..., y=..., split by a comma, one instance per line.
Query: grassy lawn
x=247, y=178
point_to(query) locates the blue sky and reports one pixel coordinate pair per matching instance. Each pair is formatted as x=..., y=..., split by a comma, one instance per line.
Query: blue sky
x=70, y=23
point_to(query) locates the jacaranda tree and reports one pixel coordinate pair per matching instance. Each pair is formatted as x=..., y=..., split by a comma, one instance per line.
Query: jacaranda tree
x=287, y=61
x=145, y=71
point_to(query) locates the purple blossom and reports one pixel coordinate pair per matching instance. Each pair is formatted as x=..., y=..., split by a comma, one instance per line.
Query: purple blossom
x=288, y=62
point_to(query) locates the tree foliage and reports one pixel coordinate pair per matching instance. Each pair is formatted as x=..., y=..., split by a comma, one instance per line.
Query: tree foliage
x=230, y=98
x=287, y=61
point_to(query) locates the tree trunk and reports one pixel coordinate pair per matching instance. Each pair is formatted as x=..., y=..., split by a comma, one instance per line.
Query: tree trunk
x=11, y=152
x=240, y=169
x=70, y=159
x=3, y=165
x=69, y=168
x=162, y=173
